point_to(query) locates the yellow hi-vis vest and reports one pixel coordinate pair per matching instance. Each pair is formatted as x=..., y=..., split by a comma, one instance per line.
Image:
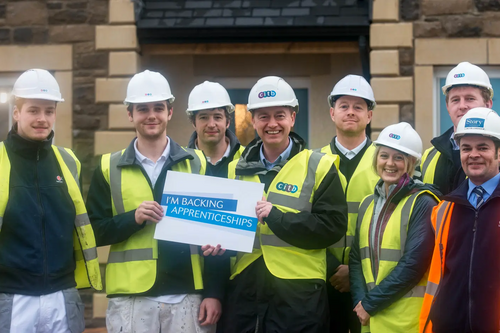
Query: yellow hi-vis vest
x=131, y=267
x=429, y=163
x=306, y=170
x=362, y=183
x=87, y=271
x=403, y=315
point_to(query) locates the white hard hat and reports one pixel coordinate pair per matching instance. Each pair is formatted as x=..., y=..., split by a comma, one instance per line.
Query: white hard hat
x=401, y=137
x=272, y=91
x=353, y=85
x=37, y=84
x=479, y=121
x=209, y=95
x=148, y=86
x=466, y=73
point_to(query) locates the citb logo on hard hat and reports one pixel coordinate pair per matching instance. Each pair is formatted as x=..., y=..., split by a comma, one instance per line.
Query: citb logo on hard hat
x=43, y=90
x=474, y=123
x=287, y=187
x=456, y=76
x=204, y=102
x=394, y=136
x=148, y=94
x=354, y=89
x=269, y=93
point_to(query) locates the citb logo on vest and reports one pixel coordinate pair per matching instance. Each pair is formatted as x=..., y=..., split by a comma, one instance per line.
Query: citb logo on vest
x=287, y=187
x=474, y=123
x=269, y=93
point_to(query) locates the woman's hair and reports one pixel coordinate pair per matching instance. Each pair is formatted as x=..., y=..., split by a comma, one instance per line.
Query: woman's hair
x=410, y=161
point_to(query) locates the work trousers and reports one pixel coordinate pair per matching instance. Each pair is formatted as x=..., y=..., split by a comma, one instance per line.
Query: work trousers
x=142, y=315
x=257, y=301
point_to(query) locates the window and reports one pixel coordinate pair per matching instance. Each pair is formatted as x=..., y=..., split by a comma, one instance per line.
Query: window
x=442, y=121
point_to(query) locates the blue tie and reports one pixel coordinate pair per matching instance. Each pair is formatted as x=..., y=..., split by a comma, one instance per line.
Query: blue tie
x=479, y=192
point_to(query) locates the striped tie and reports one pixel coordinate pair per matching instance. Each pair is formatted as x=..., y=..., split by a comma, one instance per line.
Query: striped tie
x=479, y=192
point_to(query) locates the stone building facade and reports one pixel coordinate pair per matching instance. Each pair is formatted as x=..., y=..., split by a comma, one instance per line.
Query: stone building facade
x=93, y=49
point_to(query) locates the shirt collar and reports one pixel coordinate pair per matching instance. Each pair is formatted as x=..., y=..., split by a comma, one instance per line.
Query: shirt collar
x=226, y=153
x=283, y=156
x=141, y=158
x=489, y=186
x=350, y=154
x=453, y=142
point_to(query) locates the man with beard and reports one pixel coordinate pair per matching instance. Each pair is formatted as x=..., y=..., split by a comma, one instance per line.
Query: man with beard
x=210, y=110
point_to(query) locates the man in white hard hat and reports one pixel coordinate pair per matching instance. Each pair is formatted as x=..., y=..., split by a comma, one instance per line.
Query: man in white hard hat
x=351, y=106
x=463, y=292
x=210, y=110
x=467, y=86
x=280, y=286
x=154, y=286
x=47, y=246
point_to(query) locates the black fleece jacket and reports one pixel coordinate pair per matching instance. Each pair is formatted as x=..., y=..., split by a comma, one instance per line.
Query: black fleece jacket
x=174, y=271
x=220, y=169
x=449, y=173
x=318, y=229
x=36, y=241
x=414, y=262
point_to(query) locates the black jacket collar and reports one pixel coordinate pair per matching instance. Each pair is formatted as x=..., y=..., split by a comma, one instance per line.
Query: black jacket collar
x=443, y=143
x=250, y=164
x=26, y=147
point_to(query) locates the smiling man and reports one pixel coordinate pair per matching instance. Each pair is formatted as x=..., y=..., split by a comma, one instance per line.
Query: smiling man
x=43, y=220
x=154, y=286
x=351, y=108
x=463, y=292
x=467, y=86
x=210, y=110
x=280, y=286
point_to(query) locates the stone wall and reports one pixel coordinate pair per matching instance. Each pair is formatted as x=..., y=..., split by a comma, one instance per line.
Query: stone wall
x=69, y=22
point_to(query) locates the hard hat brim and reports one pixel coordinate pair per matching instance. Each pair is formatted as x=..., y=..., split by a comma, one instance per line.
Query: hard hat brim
x=41, y=96
x=149, y=100
x=398, y=148
x=229, y=107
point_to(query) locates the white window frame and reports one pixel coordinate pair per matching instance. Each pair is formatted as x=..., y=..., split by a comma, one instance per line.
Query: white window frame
x=296, y=82
x=440, y=72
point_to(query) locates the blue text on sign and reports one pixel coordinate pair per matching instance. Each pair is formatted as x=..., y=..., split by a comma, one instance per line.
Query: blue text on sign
x=229, y=205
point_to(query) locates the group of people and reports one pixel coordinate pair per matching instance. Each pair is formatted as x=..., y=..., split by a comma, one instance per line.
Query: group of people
x=378, y=236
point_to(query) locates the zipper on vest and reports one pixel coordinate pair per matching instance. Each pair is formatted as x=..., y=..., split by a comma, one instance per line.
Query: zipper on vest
x=45, y=270
x=470, y=268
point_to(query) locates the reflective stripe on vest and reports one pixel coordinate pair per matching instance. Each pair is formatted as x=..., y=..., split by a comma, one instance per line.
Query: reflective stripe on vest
x=87, y=271
x=429, y=164
x=361, y=184
x=282, y=259
x=440, y=218
x=402, y=315
x=131, y=265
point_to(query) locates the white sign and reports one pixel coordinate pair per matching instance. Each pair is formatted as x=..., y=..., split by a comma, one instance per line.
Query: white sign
x=203, y=210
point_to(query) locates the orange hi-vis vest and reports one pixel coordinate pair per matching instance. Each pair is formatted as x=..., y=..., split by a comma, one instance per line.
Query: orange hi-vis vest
x=441, y=216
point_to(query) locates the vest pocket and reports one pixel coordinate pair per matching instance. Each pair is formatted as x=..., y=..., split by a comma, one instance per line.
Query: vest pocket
x=74, y=310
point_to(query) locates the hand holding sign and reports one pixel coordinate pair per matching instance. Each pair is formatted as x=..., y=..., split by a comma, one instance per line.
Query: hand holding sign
x=263, y=209
x=148, y=211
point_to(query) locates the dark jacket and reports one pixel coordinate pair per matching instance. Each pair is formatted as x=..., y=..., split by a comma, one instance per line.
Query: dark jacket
x=449, y=174
x=318, y=229
x=174, y=270
x=287, y=305
x=417, y=253
x=220, y=169
x=468, y=298
x=36, y=240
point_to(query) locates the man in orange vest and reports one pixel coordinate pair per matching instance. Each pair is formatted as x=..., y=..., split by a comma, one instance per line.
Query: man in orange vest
x=463, y=291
